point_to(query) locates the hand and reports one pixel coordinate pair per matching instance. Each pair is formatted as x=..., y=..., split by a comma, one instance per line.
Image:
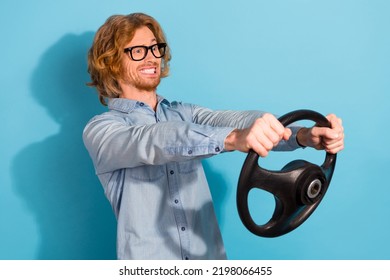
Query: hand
x=264, y=134
x=324, y=138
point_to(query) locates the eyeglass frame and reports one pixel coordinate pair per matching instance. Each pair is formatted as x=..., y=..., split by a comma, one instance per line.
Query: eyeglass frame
x=158, y=45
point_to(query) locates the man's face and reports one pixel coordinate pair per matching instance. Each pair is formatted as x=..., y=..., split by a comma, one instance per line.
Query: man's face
x=143, y=74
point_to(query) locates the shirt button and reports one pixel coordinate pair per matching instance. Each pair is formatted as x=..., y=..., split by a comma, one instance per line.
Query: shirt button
x=176, y=201
x=172, y=172
x=190, y=152
x=217, y=149
x=183, y=228
x=141, y=104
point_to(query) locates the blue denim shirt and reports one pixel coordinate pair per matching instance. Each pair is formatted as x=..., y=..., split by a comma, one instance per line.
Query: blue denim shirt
x=149, y=164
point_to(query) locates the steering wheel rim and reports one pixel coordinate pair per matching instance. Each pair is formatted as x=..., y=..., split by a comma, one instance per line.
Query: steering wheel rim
x=298, y=188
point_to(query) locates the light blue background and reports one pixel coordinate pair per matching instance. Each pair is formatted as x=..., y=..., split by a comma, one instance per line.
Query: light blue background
x=278, y=56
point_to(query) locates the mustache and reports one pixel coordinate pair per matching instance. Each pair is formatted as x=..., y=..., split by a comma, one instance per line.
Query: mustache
x=148, y=64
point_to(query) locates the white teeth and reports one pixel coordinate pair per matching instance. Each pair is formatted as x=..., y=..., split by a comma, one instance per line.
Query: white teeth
x=149, y=71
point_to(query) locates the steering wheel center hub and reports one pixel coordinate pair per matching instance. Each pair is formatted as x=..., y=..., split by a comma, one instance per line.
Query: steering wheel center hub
x=314, y=189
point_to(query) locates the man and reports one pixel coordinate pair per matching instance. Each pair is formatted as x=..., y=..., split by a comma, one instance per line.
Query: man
x=147, y=151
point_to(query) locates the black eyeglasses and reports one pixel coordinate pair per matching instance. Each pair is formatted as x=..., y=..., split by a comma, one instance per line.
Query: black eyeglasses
x=138, y=53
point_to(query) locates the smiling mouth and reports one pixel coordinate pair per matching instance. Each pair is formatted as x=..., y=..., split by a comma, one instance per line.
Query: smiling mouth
x=152, y=70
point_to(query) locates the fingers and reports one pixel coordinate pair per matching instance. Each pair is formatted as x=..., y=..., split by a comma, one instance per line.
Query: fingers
x=324, y=132
x=330, y=139
x=267, y=132
x=334, y=148
x=336, y=124
x=335, y=144
x=287, y=134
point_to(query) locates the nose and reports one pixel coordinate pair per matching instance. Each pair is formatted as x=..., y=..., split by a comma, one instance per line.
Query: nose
x=150, y=56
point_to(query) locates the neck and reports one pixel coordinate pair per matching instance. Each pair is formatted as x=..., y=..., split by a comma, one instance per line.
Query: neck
x=147, y=97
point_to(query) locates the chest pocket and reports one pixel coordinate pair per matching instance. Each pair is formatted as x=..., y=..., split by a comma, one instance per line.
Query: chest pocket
x=148, y=173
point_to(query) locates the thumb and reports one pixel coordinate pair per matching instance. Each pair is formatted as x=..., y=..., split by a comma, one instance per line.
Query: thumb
x=324, y=132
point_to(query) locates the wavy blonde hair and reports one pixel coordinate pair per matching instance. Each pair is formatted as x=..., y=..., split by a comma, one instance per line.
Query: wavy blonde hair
x=105, y=55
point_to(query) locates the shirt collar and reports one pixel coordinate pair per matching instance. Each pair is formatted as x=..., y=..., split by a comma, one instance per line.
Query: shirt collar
x=127, y=105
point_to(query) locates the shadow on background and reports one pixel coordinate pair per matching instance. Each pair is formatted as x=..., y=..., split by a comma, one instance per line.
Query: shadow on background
x=55, y=176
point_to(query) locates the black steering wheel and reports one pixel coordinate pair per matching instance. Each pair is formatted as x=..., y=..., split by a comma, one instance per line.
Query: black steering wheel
x=298, y=187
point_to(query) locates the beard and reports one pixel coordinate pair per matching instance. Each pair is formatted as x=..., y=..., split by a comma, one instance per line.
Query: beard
x=150, y=85
x=141, y=83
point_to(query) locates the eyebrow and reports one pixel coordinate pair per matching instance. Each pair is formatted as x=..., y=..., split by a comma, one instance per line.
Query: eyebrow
x=151, y=41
